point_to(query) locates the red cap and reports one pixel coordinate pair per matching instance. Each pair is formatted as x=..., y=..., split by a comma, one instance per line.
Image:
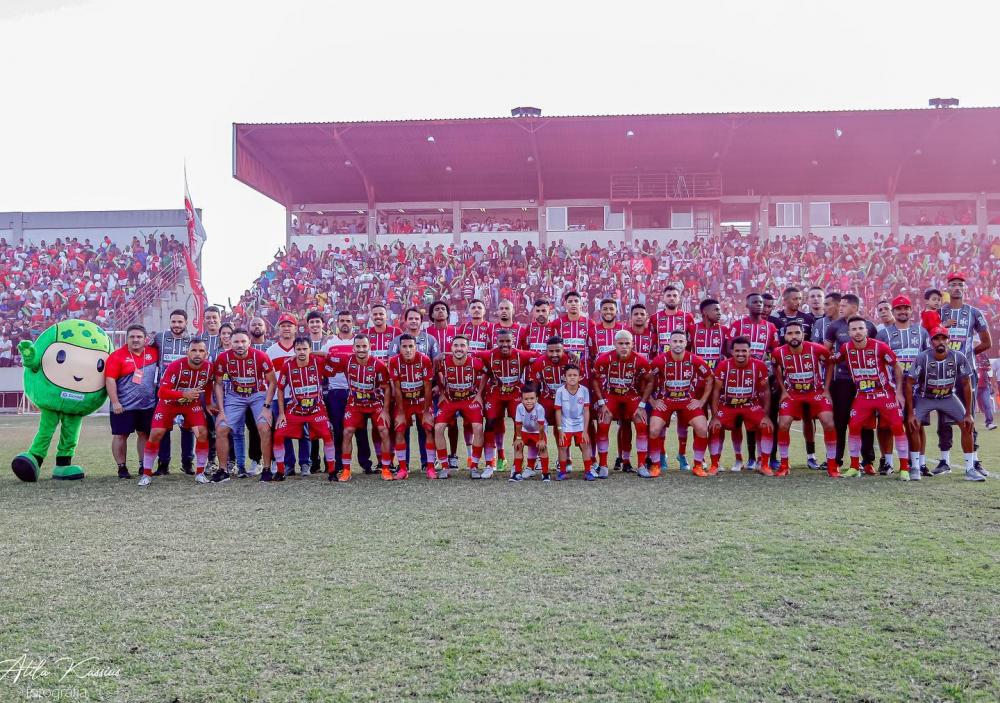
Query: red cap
x=956, y=275
x=935, y=331
x=288, y=317
x=901, y=300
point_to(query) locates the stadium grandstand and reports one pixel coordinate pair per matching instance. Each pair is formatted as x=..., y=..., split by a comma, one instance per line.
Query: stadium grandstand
x=873, y=201
x=114, y=268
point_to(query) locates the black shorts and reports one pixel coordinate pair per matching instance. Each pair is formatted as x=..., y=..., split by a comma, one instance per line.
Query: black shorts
x=132, y=421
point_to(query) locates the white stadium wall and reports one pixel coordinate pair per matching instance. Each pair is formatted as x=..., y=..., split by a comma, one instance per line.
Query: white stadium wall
x=122, y=236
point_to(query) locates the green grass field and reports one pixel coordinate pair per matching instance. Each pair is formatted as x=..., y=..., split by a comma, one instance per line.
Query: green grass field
x=738, y=587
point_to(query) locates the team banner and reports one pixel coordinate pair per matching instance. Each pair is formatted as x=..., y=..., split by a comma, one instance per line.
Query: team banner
x=196, y=239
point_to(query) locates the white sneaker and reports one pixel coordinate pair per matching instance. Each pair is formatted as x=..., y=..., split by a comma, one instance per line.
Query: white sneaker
x=305, y=471
x=453, y=463
x=737, y=467
x=487, y=472
x=475, y=473
x=145, y=480
x=602, y=472
x=200, y=478
x=254, y=469
x=443, y=472
x=527, y=473
x=991, y=426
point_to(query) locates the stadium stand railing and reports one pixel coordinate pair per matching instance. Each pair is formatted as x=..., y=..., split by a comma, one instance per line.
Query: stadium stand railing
x=146, y=296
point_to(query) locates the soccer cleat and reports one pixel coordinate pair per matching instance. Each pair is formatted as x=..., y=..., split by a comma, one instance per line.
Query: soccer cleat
x=527, y=473
x=924, y=471
x=386, y=474
x=618, y=464
x=737, y=467
x=546, y=479
x=563, y=475
x=589, y=476
x=265, y=476
x=904, y=475
x=942, y=468
x=145, y=480
x=602, y=472
x=850, y=472
x=712, y=470
x=643, y=472
x=220, y=476
x=445, y=472
x=305, y=471
x=200, y=478
x=345, y=475
x=914, y=473
x=123, y=472
x=627, y=467
x=254, y=469
x=453, y=463
x=883, y=467
x=812, y=464
x=401, y=475
x=502, y=465
x=869, y=470
x=699, y=470
x=783, y=468
x=973, y=475
x=773, y=463
x=751, y=465
x=331, y=477
x=487, y=472
x=765, y=469
x=978, y=466
x=654, y=470
x=241, y=472
x=281, y=477
x=682, y=463
x=515, y=478
x=475, y=473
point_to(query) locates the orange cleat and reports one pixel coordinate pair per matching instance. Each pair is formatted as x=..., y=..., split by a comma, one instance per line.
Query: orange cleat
x=654, y=471
x=783, y=468
x=386, y=474
x=713, y=469
x=698, y=470
x=345, y=475
x=765, y=469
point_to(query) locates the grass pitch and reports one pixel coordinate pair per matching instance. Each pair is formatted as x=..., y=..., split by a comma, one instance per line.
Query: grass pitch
x=732, y=588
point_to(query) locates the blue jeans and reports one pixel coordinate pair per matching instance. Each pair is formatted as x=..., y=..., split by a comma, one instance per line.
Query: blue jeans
x=336, y=402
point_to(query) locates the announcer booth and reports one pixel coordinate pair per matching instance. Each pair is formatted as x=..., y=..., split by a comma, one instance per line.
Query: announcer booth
x=628, y=178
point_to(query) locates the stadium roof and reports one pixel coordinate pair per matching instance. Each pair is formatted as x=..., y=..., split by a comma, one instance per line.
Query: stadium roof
x=945, y=150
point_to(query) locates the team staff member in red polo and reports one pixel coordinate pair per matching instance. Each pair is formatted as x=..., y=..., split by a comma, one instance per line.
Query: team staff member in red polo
x=130, y=378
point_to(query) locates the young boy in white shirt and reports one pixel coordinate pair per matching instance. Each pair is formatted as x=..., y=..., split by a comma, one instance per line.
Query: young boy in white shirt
x=529, y=436
x=573, y=417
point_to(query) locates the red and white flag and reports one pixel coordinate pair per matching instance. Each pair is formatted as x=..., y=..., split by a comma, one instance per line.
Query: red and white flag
x=196, y=239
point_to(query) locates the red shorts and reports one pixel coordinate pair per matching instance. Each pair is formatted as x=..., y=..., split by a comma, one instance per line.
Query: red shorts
x=531, y=439
x=409, y=413
x=751, y=414
x=165, y=415
x=470, y=410
x=318, y=423
x=797, y=405
x=684, y=416
x=622, y=407
x=497, y=405
x=567, y=438
x=355, y=416
x=864, y=409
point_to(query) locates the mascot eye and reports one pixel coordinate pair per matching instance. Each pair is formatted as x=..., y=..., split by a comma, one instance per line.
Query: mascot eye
x=100, y=366
x=61, y=356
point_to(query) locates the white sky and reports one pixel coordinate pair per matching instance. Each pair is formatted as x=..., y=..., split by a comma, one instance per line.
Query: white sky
x=104, y=99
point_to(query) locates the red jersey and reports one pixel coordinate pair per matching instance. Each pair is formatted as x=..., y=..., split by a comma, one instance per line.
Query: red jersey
x=644, y=342
x=364, y=380
x=762, y=334
x=515, y=330
x=302, y=386
x=411, y=376
x=604, y=338
x=548, y=375
x=505, y=373
x=180, y=376
x=533, y=337
x=802, y=373
x=664, y=322
x=742, y=387
x=480, y=336
x=444, y=336
x=621, y=377
x=708, y=341
x=679, y=379
x=245, y=376
x=460, y=381
x=872, y=367
x=381, y=341
x=579, y=337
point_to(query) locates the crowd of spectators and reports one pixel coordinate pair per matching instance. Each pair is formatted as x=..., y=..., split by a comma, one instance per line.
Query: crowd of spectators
x=43, y=283
x=724, y=267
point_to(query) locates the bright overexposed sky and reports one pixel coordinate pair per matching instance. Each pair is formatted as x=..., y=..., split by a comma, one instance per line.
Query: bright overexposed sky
x=103, y=100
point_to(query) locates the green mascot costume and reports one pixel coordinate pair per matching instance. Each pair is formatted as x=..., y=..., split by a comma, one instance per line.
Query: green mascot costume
x=64, y=377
